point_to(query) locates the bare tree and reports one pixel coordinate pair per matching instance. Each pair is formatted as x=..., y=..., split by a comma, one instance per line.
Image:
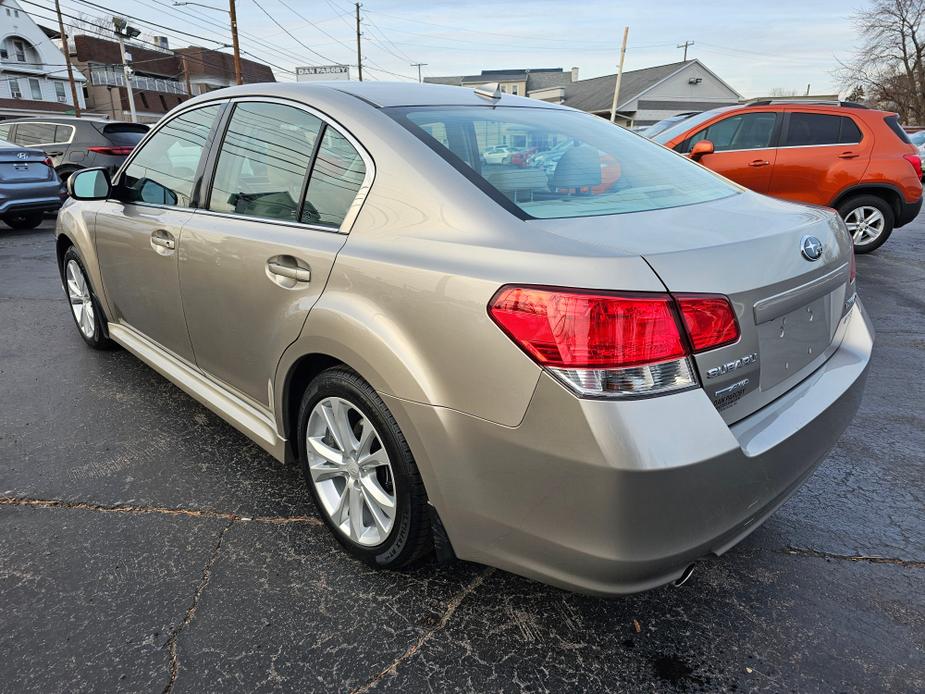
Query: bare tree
x=783, y=91
x=91, y=25
x=889, y=66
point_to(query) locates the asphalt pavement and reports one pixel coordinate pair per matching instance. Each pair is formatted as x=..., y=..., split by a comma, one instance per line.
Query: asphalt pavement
x=147, y=546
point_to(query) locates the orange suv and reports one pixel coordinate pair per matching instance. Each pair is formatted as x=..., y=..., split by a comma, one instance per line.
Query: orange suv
x=838, y=154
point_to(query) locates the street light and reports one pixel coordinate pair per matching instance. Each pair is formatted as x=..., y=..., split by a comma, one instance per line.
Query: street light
x=124, y=31
x=234, y=32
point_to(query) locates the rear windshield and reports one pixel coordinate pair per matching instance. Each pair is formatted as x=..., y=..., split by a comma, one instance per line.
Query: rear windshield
x=125, y=134
x=550, y=163
x=893, y=122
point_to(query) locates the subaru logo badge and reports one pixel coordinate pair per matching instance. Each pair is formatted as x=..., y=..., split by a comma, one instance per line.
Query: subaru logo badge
x=811, y=248
x=22, y=155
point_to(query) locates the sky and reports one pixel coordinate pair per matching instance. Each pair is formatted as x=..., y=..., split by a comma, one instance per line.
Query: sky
x=754, y=46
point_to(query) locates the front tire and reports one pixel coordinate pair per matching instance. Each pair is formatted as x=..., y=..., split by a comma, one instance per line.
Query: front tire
x=85, y=308
x=869, y=220
x=360, y=471
x=24, y=220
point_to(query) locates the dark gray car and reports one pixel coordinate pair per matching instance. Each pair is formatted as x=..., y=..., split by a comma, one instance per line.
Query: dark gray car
x=76, y=143
x=29, y=186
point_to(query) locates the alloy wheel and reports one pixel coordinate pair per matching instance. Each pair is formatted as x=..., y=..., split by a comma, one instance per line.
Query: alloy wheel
x=351, y=471
x=78, y=291
x=865, y=223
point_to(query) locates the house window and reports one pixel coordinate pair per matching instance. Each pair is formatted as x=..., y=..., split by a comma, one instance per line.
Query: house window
x=59, y=93
x=36, y=88
x=514, y=90
x=4, y=54
x=144, y=100
x=14, y=89
x=163, y=102
x=20, y=49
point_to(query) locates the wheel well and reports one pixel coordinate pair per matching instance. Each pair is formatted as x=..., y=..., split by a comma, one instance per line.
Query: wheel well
x=61, y=246
x=300, y=375
x=890, y=196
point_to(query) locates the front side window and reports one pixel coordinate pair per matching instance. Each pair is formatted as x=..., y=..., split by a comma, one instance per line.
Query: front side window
x=565, y=164
x=263, y=161
x=164, y=170
x=809, y=129
x=5, y=132
x=337, y=175
x=744, y=131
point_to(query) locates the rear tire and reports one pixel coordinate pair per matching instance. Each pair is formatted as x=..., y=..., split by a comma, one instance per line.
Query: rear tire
x=24, y=220
x=385, y=481
x=85, y=307
x=870, y=221
x=64, y=172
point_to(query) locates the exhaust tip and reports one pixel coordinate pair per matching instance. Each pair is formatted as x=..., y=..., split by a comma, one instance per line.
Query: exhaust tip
x=682, y=579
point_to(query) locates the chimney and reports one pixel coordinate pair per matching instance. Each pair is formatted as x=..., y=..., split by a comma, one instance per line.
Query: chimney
x=574, y=74
x=161, y=42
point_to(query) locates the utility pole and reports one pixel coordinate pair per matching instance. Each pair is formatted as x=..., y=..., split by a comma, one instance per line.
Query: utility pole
x=238, y=79
x=359, y=49
x=616, y=89
x=67, y=59
x=123, y=30
x=419, y=66
x=685, y=46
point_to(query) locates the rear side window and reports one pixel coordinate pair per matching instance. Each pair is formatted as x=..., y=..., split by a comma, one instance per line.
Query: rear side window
x=263, y=161
x=28, y=134
x=809, y=129
x=63, y=133
x=336, y=177
x=125, y=134
x=744, y=131
x=893, y=123
x=164, y=170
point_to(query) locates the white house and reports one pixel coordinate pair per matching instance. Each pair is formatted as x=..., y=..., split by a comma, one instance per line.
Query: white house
x=33, y=77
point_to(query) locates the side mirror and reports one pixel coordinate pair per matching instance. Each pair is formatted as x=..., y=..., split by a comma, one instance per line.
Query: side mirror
x=700, y=149
x=89, y=184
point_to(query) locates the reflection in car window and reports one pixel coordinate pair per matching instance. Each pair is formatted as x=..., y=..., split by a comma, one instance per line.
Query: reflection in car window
x=744, y=131
x=557, y=163
x=164, y=170
x=336, y=177
x=35, y=134
x=264, y=158
x=808, y=129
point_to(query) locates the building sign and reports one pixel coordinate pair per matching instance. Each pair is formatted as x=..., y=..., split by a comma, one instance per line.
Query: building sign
x=322, y=72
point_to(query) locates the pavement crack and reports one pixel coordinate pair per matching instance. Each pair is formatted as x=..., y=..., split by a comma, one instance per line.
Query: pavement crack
x=171, y=644
x=162, y=510
x=803, y=552
x=451, y=607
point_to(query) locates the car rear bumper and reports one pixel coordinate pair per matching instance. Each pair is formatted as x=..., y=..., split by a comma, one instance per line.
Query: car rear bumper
x=23, y=205
x=610, y=497
x=907, y=212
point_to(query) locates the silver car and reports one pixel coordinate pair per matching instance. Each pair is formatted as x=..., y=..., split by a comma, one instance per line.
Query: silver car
x=593, y=376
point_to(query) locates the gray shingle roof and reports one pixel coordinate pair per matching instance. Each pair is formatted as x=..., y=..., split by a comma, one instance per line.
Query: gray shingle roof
x=596, y=94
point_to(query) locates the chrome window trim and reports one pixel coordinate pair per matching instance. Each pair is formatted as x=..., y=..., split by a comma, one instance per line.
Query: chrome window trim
x=763, y=149
x=353, y=211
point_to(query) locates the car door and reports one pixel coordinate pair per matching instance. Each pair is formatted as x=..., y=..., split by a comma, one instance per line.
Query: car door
x=744, y=148
x=821, y=155
x=256, y=257
x=138, y=233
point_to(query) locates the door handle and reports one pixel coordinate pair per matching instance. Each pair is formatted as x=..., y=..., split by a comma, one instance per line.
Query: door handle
x=759, y=162
x=55, y=153
x=848, y=155
x=163, y=239
x=292, y=272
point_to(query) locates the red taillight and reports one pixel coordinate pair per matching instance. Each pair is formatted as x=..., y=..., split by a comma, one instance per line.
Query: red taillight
x=578, y=330
x=709, y=320
x=116, y=151
x=614, y=344
x=48, y=162
x=916, y=162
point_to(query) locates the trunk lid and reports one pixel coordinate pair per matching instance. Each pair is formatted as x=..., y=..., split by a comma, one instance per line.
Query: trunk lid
x=23, y=165
x=746, y=247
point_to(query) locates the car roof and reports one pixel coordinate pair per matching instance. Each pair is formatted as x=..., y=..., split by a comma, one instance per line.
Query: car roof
x=68, y=119
x=381, y=94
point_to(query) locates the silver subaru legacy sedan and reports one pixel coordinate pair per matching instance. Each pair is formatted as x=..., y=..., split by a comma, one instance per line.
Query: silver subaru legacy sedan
x=593, y=368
